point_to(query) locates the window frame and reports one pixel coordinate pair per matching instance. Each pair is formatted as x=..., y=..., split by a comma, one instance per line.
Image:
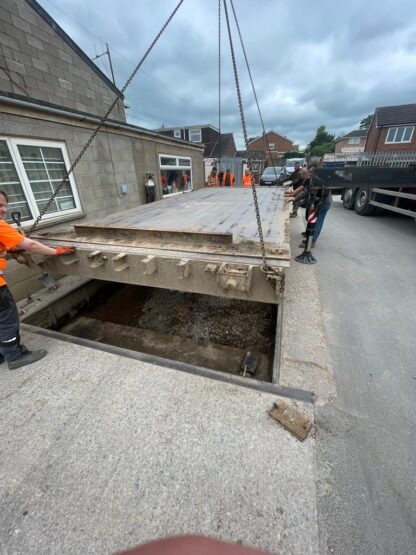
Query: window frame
x=196, y=130
x=272, y=146
x=177, y=134
x=396, y=128
x=13, y=144
x=176, y=167
x=354, y=140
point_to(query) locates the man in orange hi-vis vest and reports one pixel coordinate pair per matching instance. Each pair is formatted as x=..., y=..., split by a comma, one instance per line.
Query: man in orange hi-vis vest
x=11, y=349
x=229, y=179
x=247, y=179
x=212, y=180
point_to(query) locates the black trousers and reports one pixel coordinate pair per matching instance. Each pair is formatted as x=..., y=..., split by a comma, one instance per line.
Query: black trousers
x=151, y=194
x=9, y=326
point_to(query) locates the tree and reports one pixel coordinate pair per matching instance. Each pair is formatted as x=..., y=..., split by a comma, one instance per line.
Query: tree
x=293, y=154
x=366, y=122
x=322, y=143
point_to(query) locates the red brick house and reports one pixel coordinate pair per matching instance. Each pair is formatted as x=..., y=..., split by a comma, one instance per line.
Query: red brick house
x=392, y=129
x=351, y=143
x=277, y=144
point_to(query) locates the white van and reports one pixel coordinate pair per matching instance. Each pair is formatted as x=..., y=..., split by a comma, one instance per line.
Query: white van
x=290, y=164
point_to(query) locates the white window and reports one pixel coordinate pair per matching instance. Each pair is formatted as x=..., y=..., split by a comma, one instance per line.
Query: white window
x=400, y=135
x=30, y=172
x=177, y=133
x=195, y=135
x=354, y=141
x=175, y=174
x=271, y=146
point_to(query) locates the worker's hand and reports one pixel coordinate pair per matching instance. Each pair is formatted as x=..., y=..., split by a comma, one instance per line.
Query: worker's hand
x=289, y=193
x=67, y=249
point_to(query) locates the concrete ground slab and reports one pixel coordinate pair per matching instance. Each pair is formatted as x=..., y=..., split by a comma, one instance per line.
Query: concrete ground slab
x=305, y=356
x=100, y=452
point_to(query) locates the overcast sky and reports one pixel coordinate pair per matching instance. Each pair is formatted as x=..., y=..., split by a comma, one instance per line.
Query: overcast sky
x=314, y=63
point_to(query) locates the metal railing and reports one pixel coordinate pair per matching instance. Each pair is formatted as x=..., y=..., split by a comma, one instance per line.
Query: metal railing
x=399, y=159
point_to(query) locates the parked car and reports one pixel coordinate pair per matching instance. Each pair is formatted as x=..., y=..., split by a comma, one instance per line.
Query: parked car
x=271, y=175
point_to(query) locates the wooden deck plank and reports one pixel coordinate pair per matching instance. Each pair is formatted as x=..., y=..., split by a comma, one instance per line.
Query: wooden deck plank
x=202, y=220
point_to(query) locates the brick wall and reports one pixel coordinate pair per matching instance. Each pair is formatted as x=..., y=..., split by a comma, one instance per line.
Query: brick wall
x=376, y=141
x=343, y=144
x=281, y=144
x=35, y=61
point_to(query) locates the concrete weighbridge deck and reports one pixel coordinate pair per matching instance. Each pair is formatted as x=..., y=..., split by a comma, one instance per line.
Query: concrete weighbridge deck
x=203, y=242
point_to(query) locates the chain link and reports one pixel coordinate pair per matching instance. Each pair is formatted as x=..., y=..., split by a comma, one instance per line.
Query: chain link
x=118, y=97
x=265, y=266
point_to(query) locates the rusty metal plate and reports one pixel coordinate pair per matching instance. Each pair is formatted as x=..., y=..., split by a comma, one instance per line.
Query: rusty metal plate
x=292, y=419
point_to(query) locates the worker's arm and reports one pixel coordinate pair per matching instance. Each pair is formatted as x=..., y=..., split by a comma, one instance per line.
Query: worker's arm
x=30, y=245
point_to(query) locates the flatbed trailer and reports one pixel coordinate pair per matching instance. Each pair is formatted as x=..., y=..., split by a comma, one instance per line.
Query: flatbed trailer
x=205, y=242
x=364, y=199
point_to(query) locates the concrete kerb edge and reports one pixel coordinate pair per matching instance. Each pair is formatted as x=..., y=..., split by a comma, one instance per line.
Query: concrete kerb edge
x=278, y=390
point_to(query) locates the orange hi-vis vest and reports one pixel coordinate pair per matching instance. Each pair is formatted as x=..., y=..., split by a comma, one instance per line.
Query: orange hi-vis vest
x=228, y=177
x=246, y=182
x=9, y=238
x=212, y=181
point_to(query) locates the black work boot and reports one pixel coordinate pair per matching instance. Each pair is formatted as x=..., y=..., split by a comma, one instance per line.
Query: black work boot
x=24, y=351
x=27, y=357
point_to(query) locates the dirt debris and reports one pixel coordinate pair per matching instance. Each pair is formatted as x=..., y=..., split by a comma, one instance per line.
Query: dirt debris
x=230, y=322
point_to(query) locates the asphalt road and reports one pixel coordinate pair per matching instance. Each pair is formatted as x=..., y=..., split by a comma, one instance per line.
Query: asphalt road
x=366, y=456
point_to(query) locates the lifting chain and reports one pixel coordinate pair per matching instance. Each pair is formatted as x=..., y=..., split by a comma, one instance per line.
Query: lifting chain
x=266, y=268
x=118, y=97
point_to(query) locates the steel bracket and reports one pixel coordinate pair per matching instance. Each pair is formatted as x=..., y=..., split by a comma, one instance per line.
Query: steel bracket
x=184, y=267
x=211, y=268
x=235, y=277
x=96, y=259
x=120, y=262
x=150, y=265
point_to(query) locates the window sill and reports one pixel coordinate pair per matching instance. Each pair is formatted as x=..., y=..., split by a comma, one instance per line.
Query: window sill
x=54, y=221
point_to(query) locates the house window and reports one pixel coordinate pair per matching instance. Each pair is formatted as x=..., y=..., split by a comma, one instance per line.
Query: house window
x=354, y=141
x=399, y=135
x=175, y=174
x=177, y=133
x=195, y=135
x=271, y=146
x=30, y=172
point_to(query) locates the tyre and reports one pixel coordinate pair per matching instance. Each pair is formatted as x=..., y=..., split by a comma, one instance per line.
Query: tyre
x=348, y=199
x=362, y=204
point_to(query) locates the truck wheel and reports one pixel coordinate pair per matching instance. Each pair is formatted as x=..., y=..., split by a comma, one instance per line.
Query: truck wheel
x=362, y=204
x=348, y=199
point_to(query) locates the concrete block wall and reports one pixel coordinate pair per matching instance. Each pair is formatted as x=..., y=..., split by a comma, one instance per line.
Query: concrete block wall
x=116, y=157
x=35, y=61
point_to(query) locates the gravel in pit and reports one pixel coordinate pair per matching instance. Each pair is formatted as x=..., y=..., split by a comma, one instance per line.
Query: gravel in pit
x=230, y=322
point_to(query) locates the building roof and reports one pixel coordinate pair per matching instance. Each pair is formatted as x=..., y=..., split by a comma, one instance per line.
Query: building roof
x=355, y=133
x=71, y=112
x=396, y=115
x=268, y=133
x=194, y=126
x=59, y=31
x=227, y=141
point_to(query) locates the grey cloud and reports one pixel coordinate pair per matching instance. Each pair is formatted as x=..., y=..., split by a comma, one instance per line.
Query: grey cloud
x=313, y=62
